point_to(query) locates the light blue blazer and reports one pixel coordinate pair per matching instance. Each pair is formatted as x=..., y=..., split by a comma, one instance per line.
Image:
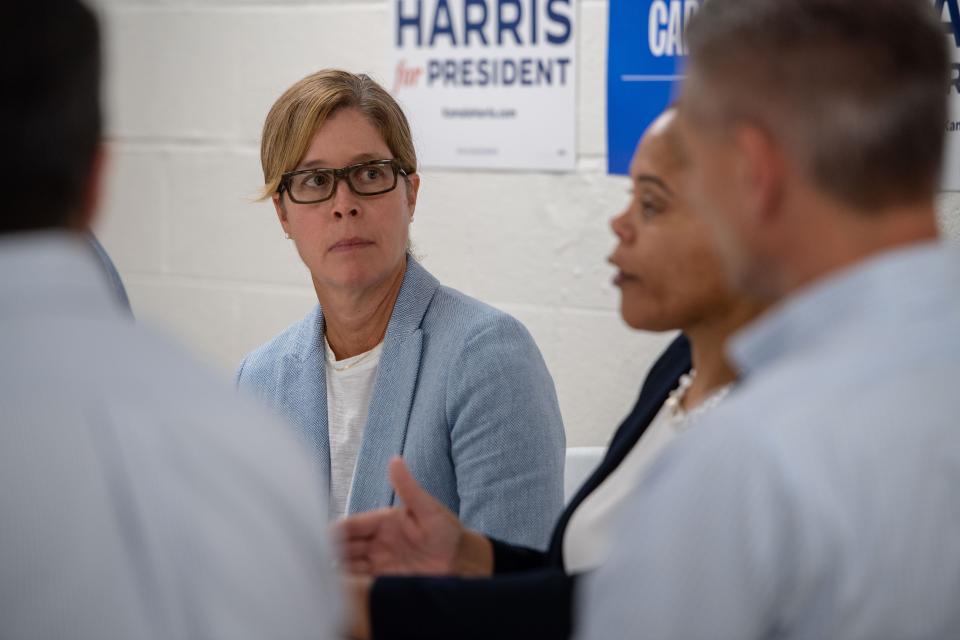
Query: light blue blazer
x=462, y=393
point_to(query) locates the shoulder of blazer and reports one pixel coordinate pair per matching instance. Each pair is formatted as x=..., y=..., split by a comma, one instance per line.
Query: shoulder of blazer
x=465, y=318
x=290, y=347
x=474, y=340
x=460, y=326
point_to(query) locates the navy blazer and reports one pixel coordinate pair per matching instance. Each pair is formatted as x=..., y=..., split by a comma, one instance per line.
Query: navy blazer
x=530, y=596
x=461, y=392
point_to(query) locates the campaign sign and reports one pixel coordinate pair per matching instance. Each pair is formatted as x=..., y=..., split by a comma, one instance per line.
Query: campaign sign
x=644, y=61
x=950, y=12
x=488, y=84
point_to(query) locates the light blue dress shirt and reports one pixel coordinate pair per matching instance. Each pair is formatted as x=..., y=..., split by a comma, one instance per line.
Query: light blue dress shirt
x=139, y=497
x=822, y=499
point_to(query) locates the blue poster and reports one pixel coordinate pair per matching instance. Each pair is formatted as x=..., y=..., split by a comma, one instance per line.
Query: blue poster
x=644, y=63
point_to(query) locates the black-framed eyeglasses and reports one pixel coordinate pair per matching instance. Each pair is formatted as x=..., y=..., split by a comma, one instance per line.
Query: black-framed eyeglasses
x=309, y=186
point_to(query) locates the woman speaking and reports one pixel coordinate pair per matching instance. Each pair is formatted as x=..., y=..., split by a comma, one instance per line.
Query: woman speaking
x=670, y=278
x=390, y=361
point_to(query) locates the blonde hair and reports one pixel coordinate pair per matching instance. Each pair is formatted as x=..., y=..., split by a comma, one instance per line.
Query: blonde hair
x=303, y=108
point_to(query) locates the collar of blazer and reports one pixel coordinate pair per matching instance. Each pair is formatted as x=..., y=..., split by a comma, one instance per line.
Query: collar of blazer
x=414, y=298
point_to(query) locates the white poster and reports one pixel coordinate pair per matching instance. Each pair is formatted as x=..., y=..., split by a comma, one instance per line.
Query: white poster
x=487, y=84
x=951, y=23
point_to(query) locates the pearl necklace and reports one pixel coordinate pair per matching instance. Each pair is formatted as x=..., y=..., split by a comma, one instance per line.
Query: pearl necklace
x=680, y=418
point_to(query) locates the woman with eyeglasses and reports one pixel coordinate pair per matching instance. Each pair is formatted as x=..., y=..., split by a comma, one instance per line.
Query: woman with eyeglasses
x=390, y=361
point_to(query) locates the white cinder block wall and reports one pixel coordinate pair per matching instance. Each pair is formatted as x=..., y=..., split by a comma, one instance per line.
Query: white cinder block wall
x=188, y=85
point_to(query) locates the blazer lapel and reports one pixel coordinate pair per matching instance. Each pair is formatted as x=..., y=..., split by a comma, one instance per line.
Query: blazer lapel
x=310, y=404
x=386, y=428
x=393, y=392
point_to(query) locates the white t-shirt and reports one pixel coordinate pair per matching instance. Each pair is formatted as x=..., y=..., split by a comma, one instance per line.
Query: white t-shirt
x=349, y=389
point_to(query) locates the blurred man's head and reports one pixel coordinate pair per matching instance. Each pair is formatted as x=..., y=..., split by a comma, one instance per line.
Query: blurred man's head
x=796, y=110
x=49, y=114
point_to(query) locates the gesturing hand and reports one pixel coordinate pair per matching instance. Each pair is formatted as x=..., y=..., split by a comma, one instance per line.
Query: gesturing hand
x=420, y=538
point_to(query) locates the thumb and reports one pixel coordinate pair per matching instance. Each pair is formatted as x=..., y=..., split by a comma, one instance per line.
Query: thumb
x=414, y=497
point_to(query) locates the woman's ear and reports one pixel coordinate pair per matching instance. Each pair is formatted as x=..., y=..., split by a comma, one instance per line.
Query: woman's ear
x=413, y=189
x=281, y=213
